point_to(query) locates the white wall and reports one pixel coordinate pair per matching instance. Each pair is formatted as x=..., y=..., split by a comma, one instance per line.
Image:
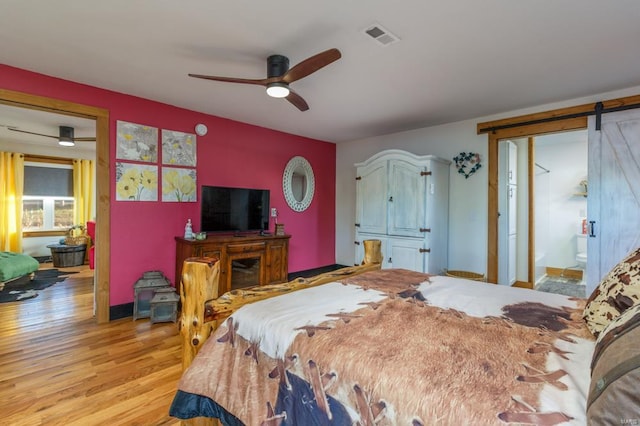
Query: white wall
x=468, y=197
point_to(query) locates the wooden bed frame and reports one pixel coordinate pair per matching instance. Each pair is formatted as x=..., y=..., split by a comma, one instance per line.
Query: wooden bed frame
x=204, y=309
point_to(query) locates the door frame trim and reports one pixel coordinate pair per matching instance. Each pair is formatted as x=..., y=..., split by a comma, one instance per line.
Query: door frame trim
x=101, y=117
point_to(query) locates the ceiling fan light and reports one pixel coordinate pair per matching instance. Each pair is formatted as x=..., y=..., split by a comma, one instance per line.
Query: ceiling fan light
x=66, y=136
x=278, y=90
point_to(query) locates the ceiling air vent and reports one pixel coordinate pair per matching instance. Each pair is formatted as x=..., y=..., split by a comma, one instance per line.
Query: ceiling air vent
x=381, y=35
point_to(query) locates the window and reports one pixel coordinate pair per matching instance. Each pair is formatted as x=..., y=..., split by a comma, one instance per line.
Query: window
x=48, y=197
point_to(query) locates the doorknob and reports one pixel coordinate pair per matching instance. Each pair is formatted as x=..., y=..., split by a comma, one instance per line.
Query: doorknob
x=592, y=226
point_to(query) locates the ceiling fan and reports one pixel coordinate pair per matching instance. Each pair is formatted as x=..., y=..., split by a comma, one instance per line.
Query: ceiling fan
x=65, y=136
x=279, y=76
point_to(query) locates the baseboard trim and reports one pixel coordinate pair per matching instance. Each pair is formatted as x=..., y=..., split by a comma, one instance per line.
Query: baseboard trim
x=575, y=274
x=522, y=284
x=120, y=311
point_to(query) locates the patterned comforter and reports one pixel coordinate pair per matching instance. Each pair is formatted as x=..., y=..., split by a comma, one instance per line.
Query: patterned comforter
x=395, y=347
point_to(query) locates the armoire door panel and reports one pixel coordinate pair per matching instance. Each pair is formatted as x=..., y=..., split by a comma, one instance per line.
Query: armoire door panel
x=371, y=199
x=406, y=199
x=406, y=254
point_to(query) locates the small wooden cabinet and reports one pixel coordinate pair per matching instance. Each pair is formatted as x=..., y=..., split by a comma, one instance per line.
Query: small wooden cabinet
x=245, y=261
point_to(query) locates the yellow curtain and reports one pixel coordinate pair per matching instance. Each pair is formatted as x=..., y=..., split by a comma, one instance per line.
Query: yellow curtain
x=83, y=190
x=11, y=187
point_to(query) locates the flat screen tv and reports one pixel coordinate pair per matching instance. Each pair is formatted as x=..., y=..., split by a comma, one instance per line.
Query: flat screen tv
x=234, y=210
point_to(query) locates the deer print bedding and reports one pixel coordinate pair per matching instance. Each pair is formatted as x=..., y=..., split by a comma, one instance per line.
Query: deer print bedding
x=395, y=347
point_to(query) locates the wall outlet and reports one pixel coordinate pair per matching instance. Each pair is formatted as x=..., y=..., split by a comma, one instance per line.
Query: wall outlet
x=274, y=212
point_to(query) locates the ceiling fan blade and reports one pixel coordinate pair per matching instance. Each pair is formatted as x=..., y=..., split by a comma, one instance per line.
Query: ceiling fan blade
x=260, y=82
x=83, y=139
x=297, y=101
x=13, y=129
x=311, y=65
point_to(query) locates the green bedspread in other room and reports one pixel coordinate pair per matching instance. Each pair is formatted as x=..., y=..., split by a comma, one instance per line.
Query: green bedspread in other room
x=14, y=265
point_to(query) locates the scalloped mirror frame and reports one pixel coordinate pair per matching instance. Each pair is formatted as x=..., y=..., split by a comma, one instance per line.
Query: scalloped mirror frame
x=298, y=165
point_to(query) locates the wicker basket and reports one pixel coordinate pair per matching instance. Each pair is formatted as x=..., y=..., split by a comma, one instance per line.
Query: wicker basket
x=465, y=274
x=76, y=241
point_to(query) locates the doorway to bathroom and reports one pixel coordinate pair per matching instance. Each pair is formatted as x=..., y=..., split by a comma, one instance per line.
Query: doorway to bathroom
x=542, y=188
x=560, y=212
x=613, y=128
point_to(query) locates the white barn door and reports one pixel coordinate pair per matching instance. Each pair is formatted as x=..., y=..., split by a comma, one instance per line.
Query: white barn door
x=613, y=203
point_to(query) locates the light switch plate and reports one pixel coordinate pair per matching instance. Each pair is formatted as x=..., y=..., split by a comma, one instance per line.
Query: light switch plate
x=274, y=212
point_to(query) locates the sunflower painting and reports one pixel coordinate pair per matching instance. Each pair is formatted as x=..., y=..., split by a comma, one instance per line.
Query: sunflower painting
x=136, y=182
x=178, y=149
x=178, y=184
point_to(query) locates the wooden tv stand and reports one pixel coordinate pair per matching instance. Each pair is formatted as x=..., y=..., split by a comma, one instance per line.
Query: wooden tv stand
x=245, y=260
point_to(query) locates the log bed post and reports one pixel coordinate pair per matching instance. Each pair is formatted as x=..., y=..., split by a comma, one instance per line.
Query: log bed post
x=200, y=279
x=372, y=251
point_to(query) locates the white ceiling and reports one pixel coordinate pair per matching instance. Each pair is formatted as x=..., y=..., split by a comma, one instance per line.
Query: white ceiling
x=45, y=123
x=456, y=59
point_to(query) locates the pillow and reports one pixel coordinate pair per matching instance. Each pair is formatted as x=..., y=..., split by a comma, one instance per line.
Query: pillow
x=617, y=292
x=615, y=371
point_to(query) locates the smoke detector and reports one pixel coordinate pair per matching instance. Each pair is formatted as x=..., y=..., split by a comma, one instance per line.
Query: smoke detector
x=381, y=35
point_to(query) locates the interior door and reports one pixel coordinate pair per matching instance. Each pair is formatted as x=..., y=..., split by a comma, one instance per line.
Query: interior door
x=508, y=195
x=613, y=203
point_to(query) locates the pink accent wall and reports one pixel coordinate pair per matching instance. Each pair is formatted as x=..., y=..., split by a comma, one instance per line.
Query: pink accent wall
x=231, y=154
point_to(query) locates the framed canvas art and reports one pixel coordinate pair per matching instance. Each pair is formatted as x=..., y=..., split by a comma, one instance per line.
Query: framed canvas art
x=136, y=182
x=178, y=148
x=179, y=185
x=136, y=142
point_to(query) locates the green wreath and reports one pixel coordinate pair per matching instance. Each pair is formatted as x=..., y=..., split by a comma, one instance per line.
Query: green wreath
x=465, y=160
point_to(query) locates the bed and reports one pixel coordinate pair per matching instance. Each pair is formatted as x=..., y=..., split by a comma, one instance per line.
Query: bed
x=384, y=347
x=16, y=265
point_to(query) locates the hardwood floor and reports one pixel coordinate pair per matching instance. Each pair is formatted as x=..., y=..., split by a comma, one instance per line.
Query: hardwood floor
x=58, y=367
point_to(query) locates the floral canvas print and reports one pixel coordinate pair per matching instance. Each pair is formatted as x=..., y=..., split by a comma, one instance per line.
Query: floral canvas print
x=178, y=148
x=136, y=142
x=178, y=184
x=136, y=182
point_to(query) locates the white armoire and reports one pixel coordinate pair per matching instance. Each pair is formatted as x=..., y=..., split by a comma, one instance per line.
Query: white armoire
x=402, y=200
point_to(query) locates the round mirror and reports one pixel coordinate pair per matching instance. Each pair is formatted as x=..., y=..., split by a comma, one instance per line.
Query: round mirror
x=298, y=183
